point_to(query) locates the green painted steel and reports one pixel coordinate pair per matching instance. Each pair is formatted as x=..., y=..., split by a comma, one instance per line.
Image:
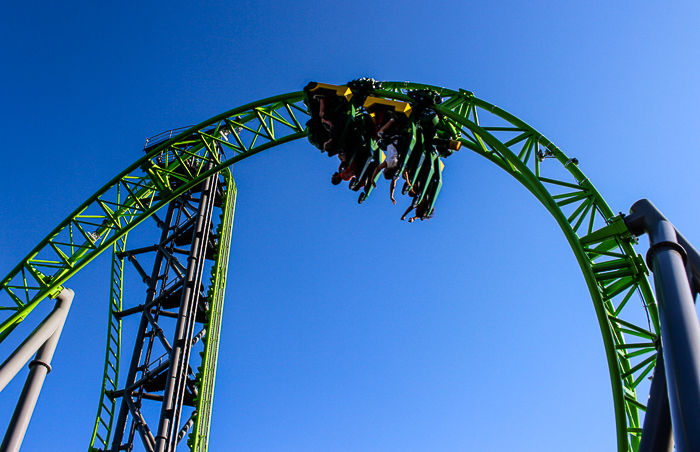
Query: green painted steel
x=105, y=410
x=601, y=243
x=206, y=373
x=138, y=192
x=613, y=271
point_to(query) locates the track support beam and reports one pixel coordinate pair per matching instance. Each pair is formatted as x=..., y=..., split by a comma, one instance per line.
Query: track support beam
x=180, y=320
x=44, y=339
x=657, y=433
x=174, y=395
x=680, y=329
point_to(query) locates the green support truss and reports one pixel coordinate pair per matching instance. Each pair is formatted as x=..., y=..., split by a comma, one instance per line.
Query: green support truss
x=105, y=412
x=600, y=241
x=206, y=373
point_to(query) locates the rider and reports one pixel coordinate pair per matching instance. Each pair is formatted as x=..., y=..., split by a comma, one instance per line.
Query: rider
x=421, y=209
x=346, y=174
x=325, y=121
x=388, y=142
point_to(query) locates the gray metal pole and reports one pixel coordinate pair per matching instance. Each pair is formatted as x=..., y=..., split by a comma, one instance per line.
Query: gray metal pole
x=166, y=439
x=657, y=433
x=680, y=329
x=692, y=265
x=39, y=368
x=141, y=335
x=21, y=356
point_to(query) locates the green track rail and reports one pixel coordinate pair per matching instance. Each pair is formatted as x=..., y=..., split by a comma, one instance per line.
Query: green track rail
x=614, y=273
x=198, y=439
x=206, y=373
x=105, y=411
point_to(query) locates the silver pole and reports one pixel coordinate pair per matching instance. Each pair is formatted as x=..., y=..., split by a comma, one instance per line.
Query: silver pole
x=21, y=356
x=39, y=368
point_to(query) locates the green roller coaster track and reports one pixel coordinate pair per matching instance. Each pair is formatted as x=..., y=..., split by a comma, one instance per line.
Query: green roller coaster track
x=600, y=240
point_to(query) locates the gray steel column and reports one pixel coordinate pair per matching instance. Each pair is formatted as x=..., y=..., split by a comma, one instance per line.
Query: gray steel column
x=141, y=334
x=166, y=439
x=680, y=329
x=657, y=433
x=693, y=264
x=40, y=367
x=21, y=356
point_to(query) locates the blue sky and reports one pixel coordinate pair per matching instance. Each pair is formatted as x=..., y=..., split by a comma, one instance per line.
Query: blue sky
x=346, y=329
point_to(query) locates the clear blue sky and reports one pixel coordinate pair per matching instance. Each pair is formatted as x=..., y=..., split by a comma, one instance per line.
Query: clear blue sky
x=346, y=329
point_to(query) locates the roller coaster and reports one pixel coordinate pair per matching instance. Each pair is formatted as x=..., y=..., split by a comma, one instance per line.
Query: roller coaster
x=182, y=191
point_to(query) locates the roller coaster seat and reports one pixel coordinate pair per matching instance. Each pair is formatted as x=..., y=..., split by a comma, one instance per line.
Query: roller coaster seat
x=331, y=90
x=363, y=179
x=424, y=175
x=361, y=88
x=359, y=144
x=438, y=135
x=414, y=162
x=374, y=104
x=401, y=134
x=424, y=97
x=338, y=111
x=432, y=192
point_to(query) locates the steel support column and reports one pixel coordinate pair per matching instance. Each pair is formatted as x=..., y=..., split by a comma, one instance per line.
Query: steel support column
x=141, y=332
x=160, y=397
x=657, y=433
x=39, y=367
x=174, y=394
x=680, y=329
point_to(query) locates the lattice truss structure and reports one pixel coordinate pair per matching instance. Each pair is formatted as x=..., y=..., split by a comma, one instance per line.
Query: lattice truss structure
x=615, y=274
x=168, y=177
x=164, y=389
x=170, y=168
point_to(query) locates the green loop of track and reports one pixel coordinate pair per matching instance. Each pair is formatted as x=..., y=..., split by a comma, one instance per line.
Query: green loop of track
x=600, y=241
